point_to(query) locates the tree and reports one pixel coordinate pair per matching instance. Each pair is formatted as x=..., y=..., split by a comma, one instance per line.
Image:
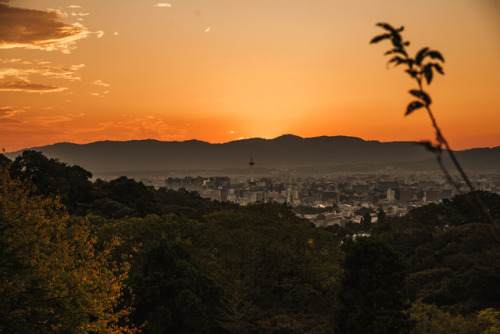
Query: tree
x=51, y=177
x=371, y=297
x=53, y=279
x=171, y=294
x=430, y=319
x=381, y=216
x=4, y=162
x=366, y=221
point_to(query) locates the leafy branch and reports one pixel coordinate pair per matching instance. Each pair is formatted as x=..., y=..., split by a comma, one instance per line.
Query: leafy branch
x=422, y=68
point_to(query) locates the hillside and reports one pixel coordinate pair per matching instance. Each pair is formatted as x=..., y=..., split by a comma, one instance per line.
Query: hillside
x=286, y=151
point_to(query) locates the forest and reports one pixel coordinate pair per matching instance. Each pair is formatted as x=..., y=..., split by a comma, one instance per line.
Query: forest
x=90, y=256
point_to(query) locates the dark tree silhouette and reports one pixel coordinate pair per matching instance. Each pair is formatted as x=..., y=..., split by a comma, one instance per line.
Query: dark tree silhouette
x=371, y=298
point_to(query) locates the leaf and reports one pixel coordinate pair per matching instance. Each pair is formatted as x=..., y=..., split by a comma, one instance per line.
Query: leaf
x=428, y=73
x=420, y=56
x=398, y=60
x=386, y=26
x=396, y=50
x=421, y=95
x=413, y=106
x=435, y=55
x=379, y=38
x=396, y=41
x=412, y=73
x=438, y=68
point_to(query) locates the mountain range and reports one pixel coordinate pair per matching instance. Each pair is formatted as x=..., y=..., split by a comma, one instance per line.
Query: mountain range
x=287, y=151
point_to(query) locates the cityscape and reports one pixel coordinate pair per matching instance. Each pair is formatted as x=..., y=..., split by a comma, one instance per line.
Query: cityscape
x=337, y=198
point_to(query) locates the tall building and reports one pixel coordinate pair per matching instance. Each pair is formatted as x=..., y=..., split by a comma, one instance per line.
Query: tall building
x=251, y=164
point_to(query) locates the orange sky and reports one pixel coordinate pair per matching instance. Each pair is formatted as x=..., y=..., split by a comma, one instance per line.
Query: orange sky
x=220, y=70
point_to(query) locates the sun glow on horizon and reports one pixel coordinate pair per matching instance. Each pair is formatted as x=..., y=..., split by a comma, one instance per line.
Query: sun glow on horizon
x=222, y=70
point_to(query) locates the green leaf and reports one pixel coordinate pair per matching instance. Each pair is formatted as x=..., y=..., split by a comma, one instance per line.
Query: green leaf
x=420, y=56
x=379, y=38
x=428, y=73
x=421, y=95
x=413, y=106
x=435, y=55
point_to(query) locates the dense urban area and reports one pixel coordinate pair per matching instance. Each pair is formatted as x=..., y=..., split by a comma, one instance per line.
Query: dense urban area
x=338, y=198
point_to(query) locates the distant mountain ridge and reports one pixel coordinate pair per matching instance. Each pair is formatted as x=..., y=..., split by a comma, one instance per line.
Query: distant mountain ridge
x=287, y=151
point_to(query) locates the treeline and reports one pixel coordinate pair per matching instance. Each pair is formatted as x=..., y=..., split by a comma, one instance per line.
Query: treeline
x=78, y=256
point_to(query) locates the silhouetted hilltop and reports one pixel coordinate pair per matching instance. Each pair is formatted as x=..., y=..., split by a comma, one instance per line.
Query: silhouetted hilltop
x=286, y=151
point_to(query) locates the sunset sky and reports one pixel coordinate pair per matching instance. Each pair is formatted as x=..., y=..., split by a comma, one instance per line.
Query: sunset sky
x=222, y=70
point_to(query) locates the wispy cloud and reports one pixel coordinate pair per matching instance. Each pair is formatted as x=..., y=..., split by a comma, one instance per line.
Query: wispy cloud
x=74, y=6
x=8, y=112
x=80, y=14
x=103, y=94
x=27, y=86
x=163, y=5
x=100, y=83
x=23, y=61
x=18, y=79
x=58, y=72
x=36, y=29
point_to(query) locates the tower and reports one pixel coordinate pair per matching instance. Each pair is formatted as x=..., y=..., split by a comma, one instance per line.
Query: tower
x=251, y=164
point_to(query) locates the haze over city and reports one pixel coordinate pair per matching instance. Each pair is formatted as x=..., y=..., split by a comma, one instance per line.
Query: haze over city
x=218, y=71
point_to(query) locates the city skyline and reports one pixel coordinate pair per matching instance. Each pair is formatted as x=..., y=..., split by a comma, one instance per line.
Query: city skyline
x=219, y=71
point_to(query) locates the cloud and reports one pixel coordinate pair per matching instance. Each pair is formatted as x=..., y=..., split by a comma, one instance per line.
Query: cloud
x=23, y=62
x=100, y=94
x=207, y=29
x=100, y=83
x=36, y=29
x=162, y=5
x=80, y=14
x=8, y=112
x=55, y=72
x=74, y=6
x=58, y=72
x=27, y=86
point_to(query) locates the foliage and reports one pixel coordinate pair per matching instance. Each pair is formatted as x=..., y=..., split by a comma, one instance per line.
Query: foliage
x=453, y=258
x=52, y=277
x=371, y=297
x=171, y=294
x=490, y=318
x=430, y=319
x=4, y=162
x=51, y=177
